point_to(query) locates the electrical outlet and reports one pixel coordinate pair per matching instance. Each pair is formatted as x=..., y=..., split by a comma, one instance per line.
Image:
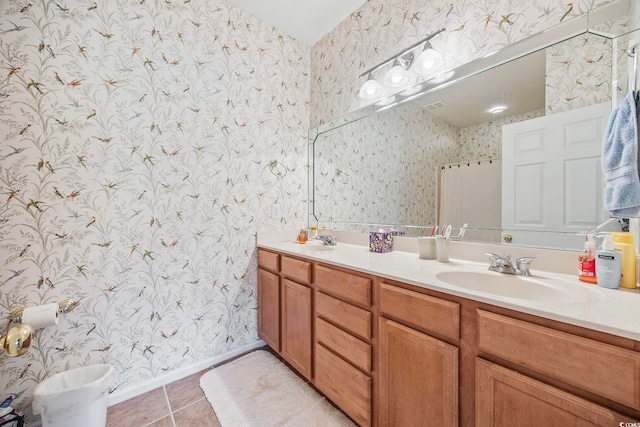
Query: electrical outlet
x=276, y=211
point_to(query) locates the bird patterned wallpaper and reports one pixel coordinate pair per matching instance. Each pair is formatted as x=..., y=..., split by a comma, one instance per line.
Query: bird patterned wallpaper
x=144, y=143
x=578, y=73
x=381, y=170
x=381, y=28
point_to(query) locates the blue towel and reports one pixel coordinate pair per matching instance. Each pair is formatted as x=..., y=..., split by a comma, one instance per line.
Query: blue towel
x=620, y=160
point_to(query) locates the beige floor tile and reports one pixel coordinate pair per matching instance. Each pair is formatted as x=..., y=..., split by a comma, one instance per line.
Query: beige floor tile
x=185, y=391
x=139, y=410
x=198, y=414
x=164, y=422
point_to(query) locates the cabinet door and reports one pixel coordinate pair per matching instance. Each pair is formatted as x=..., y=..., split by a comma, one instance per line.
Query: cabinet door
x=506, y=398
x=296, y=326
x=269, y=308
x=418, y=382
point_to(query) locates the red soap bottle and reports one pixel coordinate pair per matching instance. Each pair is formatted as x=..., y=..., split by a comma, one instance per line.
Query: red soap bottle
x=587, y=262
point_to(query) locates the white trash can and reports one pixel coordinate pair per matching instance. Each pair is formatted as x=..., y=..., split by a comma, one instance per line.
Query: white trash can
x=74, y=398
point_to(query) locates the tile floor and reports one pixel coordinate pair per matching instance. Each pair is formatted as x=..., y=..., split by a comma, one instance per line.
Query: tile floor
x=179, y=404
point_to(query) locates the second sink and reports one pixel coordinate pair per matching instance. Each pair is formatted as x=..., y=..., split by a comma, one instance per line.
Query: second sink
x=480, y=280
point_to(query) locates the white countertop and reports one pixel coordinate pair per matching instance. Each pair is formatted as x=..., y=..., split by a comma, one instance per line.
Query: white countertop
x=614, y=311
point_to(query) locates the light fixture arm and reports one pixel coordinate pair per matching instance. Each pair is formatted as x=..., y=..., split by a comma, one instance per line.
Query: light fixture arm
x=395, y=57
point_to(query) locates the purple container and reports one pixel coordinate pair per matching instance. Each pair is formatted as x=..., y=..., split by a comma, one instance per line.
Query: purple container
x=381, y=241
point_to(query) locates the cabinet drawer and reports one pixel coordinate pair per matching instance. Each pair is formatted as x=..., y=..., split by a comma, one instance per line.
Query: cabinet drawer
x=296, y=269
x=600, y=368
x=346, y=386
x=349, y=287
x=268, y=260
x=432, y=314
x=343, y=343
x=347, y=316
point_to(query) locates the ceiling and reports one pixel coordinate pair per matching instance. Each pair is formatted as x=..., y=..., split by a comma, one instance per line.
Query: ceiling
x=305, y=20
x=467, y=103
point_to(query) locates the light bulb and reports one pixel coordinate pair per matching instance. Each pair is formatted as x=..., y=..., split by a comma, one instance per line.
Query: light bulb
x=371, y=89
x=428, y=62
x=396, y=77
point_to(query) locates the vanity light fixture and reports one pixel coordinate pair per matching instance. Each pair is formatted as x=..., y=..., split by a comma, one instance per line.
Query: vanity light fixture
x=403, y=69
x=371, y=89
x=429, y=61
x=398, y=76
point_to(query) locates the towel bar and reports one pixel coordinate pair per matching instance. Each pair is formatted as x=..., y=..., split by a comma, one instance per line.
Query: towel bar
x=633, y=76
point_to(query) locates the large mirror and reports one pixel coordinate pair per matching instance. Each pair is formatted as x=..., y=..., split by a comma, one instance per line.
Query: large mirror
x=508, y=146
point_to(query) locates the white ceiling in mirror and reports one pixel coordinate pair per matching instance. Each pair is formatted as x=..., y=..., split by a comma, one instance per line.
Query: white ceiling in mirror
x=469, y=101
x=306, y=21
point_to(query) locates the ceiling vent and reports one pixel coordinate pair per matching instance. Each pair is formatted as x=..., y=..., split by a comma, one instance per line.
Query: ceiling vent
x=434, y=106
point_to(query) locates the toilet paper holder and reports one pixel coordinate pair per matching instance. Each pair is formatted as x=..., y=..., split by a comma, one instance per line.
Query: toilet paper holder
x=64, y=306
x=17, y=339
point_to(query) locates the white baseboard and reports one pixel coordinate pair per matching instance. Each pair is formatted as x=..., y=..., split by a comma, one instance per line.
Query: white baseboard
x=153, y=383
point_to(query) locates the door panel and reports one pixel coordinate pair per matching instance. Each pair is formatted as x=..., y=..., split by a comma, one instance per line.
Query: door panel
x=552, y=181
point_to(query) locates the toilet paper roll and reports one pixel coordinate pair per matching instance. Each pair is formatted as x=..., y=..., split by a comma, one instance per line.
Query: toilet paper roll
x=41, y=316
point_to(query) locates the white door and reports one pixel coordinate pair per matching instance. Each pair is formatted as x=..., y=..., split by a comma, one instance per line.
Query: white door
x=552, y=180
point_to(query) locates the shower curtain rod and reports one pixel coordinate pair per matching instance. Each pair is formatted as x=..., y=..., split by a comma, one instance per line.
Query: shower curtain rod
x=469, y=163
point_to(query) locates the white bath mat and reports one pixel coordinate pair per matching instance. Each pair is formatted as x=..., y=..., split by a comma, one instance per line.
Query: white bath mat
x=257, y=390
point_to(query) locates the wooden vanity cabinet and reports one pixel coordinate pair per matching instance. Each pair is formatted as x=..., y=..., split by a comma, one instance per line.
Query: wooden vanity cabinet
x=296, y=326
x=418, y=373
x=506, y=398
x=343, y=340
x=555, y=362
x=392, y=354
x=284, y=308
x=295, y=308
x=269, y=298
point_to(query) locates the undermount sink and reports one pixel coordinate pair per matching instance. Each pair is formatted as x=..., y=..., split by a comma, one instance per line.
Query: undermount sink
x=530, y=288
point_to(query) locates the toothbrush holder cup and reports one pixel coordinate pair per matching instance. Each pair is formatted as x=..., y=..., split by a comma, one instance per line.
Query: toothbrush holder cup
x=427, y=247
x=442, y=249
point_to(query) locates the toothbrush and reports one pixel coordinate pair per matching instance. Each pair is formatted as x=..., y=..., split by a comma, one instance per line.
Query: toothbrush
x=447, y=232
x=463, y=230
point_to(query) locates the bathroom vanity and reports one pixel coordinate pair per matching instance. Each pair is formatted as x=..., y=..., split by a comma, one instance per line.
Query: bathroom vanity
x=390, y=343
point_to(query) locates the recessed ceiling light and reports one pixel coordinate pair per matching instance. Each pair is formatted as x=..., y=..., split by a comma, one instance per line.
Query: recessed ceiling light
x=497, y=110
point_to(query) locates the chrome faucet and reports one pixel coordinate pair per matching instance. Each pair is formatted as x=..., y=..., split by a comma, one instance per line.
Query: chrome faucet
x=502, y=264
x=327, y=240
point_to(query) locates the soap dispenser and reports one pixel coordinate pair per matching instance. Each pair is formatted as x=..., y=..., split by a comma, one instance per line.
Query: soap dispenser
x=302, y=236
x=608, y=265
x=587, y=261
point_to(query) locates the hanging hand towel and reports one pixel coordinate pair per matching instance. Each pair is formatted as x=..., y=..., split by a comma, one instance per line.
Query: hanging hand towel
x=620, y=160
